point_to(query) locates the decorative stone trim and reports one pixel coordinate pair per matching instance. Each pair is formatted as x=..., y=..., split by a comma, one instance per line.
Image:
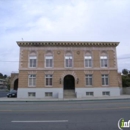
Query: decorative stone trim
x=32, y=72
x=63, y=43
x=88, y=72
x=69, y=73
x=105, y=72
x=48, y=72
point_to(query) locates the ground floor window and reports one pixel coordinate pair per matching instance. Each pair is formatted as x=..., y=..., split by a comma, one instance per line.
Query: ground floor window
x=31, y=94
x=106, y=93
x=89, y=93
x=48, y=94
x=48, y=80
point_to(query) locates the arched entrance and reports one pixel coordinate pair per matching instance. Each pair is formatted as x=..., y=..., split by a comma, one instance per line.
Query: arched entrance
x=69, y=82
x=16, y=84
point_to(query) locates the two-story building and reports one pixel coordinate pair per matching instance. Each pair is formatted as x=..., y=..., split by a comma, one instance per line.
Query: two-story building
x=67, y=69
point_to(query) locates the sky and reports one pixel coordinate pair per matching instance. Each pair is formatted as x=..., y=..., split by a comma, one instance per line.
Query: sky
x=63, y=20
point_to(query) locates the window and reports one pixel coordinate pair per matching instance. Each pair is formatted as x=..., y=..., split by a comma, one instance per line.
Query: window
x=68, y=61
x=104, y=61
x=48, y=80
x=88, y=61
x=32, y=80
x=88, y=80
x=48, y=94
x=106, y=93
x=31, y=94
x=32, y=61
x=89, y=93
x=104, y=79
x=49, y=61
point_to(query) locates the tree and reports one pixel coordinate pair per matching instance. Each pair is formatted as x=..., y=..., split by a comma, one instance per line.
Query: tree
x=125, y=72
x=5, y=76
x=125, y=78
x=1, y=76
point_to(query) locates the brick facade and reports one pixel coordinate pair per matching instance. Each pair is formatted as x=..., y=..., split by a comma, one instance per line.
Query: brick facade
x=59, y=69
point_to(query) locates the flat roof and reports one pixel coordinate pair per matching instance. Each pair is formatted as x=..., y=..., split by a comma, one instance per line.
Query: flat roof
x=67, y=43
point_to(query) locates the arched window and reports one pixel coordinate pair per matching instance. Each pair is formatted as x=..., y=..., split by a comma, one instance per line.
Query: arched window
x=88, y=60
x=104, y=59
x=49, y=60
x=32, y=59
x=68, y=60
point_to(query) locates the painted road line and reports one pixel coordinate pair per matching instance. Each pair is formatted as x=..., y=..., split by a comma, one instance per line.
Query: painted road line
x=47, y=121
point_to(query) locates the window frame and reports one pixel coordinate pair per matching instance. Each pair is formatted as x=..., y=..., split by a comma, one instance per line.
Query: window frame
x=48, y=80
x=104, y=61
x=68, y=57
x=87, y=78
x=32, y=58
x=31, y=94
x=33, y=82
x=106, y=93
x=89, y=62
x=104, y=78
x=49, y=61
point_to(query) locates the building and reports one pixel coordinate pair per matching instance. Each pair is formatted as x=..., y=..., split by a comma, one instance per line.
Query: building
x=3, y=84
x=67, y=69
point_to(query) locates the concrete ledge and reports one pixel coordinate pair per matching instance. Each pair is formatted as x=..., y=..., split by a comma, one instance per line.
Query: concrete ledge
x=122, y=97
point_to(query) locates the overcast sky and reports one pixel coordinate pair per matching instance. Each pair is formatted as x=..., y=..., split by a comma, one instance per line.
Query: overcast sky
x=69, y=20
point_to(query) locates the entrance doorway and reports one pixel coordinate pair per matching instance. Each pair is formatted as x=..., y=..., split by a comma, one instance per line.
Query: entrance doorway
x=16, y=84
x=69, y=82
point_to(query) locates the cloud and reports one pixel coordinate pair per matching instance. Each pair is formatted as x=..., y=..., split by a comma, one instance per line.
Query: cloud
x=81, y=20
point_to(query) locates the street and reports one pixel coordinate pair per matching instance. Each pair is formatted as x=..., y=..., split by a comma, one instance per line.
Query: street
x=66, y=115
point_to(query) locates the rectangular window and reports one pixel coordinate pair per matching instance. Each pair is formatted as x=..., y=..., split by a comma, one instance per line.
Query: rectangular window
x=48, y=94
x=48, y=80
x=31, y=94
x=49, y=61
x=105, y=79
x=89, y=93
x=68, y=61
x=89, y=80
x=106, y=93
x=32, y=61
x=104, y=61
x=88, y=61
x=32, y=80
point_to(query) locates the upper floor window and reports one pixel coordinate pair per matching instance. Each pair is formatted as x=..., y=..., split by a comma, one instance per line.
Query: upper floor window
x=88, y=61
x=32, y=80
x=68, y=61
x=49, y=61
x=32, y=61
x=104, y=61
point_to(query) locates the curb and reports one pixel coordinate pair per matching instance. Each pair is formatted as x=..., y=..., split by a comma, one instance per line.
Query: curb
x=64, y=100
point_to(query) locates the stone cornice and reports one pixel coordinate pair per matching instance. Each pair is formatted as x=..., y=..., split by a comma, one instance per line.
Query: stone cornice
x=66, y=43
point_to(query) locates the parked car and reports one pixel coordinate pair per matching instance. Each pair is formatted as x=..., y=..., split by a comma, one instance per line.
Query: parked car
x=12, y=93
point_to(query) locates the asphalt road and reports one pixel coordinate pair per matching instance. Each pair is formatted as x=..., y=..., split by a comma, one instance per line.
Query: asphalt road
x=74, y=115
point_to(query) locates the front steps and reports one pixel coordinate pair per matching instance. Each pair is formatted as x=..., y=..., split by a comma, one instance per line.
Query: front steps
x=69, y=94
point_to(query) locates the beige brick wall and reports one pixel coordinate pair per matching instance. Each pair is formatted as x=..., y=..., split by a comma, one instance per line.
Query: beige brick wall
x=96, y=59
x=78, y=63
x=23, y=79
x=40, y=79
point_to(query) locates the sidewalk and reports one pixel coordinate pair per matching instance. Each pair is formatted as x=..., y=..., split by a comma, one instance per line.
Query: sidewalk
x=122, y=97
